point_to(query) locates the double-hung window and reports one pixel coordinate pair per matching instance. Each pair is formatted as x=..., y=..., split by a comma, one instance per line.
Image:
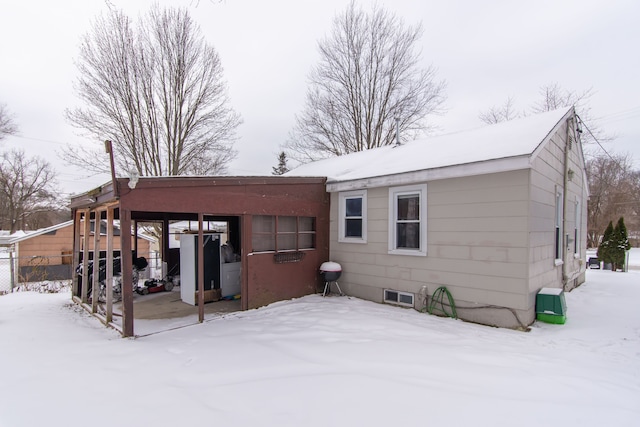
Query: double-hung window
x=352, y=212
x=408, y=220
x=558, y=228
x=577, y=229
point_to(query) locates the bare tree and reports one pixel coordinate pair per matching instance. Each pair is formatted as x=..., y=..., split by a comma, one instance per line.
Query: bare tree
x=552, y=97
x=613, y=189
x=157, y=92
x=501, y=113
x=368, y=76
x=613, y=183
x=7, y=125
x=26, y=189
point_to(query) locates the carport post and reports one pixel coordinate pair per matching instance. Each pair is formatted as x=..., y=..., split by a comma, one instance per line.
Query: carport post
x=165, y=242
x=127, y=271
x=109, y=272
x=200, y=249
x=85, y=255
x=95, y=282
x=76, y=251
x=245, y=235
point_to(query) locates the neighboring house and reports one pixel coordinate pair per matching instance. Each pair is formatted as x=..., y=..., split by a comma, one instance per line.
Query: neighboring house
x=46, y=253
x=493, y=214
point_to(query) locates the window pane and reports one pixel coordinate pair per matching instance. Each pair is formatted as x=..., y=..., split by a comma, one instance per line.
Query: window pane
x=409, y=207
x=263, y=224
x=391, y=296
x=408, y=235
x=406, y=299
x=263, y=238
x=353, y=228
x=307, y=241
x=307, y=223
x=353, y=207
x=263, y=243
x=287, y=224
x=286, y=242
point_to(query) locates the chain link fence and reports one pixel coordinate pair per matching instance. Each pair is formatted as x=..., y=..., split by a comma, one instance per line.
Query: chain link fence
x=47, y=272
x=7, y=265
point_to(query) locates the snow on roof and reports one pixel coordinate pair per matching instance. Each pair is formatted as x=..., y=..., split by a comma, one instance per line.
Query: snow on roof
x=514, y=138
x=21, y=235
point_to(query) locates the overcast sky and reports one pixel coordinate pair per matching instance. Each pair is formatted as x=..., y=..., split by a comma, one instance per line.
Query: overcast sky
x=485, y=50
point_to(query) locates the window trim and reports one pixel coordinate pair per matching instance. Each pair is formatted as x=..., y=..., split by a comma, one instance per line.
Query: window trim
x=577, y=230
x=399, y=294
x=342, y=212
x=394, y=192
x=558, y=231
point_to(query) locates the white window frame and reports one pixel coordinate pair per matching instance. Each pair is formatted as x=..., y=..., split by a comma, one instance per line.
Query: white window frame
x=399, y=294
x=558, y=231
x=394, y=193
x=577, y=228
x=342, y=212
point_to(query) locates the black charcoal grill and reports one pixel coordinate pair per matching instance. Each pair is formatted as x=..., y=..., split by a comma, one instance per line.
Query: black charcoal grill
x=330, y=272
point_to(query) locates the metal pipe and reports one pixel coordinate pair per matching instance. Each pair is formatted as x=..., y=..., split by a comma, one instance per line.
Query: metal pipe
x=565, y=184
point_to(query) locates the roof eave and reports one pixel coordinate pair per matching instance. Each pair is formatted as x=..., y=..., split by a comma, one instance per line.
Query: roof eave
x=38, y=232
x=456, y=171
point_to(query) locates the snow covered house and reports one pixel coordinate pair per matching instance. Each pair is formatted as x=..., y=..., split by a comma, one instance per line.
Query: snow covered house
x=494, y=215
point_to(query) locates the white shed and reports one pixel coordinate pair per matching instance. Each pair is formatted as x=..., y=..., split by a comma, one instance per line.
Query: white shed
x=494, y=215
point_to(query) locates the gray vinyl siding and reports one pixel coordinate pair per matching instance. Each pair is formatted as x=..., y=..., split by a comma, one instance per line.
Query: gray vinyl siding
x=546, y=177
x=477, y=244
x=490, y=239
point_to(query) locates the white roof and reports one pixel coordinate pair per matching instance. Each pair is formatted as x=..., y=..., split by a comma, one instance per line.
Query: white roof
x=467, y=151
x=20, y=235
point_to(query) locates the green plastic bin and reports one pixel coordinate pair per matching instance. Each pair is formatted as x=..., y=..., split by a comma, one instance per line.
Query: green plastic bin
x=551, y=306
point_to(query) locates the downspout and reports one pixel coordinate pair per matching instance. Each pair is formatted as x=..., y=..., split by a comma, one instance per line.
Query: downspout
x=565, y=184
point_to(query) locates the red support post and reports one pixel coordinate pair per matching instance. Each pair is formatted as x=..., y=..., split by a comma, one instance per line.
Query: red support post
x=127, y=272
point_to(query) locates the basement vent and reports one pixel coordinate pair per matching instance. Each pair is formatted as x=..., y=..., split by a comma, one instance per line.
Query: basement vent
x=397, y=297
x=286, y=257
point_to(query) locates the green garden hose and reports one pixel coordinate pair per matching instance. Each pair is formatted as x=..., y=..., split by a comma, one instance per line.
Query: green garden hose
x=437, y=304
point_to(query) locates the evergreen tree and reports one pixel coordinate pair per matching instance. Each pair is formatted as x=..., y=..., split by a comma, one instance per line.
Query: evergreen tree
x=620, y=244
x=282, y=167
x=604, y=250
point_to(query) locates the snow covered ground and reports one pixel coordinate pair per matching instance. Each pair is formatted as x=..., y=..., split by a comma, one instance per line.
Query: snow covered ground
x=335, y=361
